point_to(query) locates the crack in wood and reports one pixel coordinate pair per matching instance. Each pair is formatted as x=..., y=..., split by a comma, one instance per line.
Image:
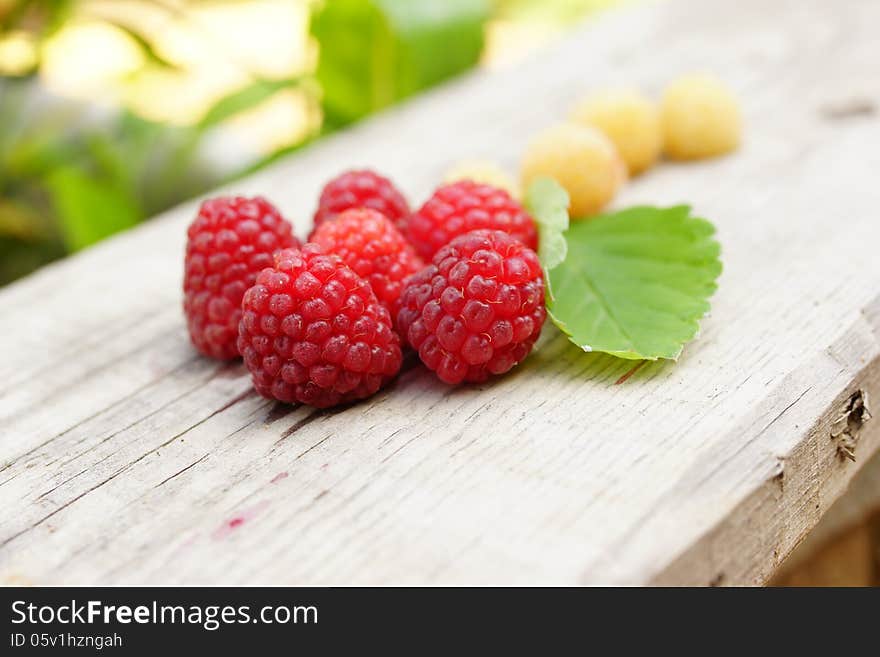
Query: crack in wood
x=65, y=505
x=103, y=411
x=152, y=413
x=317, y=444
x=311, y=417
x=849, y=108
x=227, y=405
x=280, y=410
x=180, y=472
x=57, y=486
x=401, y=447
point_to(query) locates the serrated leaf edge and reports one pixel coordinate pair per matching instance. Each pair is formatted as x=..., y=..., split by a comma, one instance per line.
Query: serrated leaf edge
x=712, y=285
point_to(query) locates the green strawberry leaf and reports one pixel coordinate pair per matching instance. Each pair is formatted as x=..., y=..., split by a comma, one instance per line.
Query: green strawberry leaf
x=547, y=202
x=635, y=283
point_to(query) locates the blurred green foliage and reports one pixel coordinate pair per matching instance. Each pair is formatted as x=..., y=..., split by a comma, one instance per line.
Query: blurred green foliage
x=374, y=53
x=68, y=179
x=71, y=175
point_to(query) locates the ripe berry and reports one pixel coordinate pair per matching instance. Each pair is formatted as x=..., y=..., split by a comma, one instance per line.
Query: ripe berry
x=477, y=310
x=313, y=331
x=581, y=159
x=463, y=206
x=230, y=241
x=700, y=118
x=362, y=189
x=628, y=119
x=369, y=243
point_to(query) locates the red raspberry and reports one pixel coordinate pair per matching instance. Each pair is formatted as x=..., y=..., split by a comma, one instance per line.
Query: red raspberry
x=369, y=243
x=463, y=206
x=478, y=309
x=362, y=189
x=313, y=331
x=230, y=241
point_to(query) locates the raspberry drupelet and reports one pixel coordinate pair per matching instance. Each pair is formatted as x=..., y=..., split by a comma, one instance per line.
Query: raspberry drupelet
x=369, y=243
x=477, y=310
x=362, y=189
x=463, y=206
x=230, y=241
x=313, y=331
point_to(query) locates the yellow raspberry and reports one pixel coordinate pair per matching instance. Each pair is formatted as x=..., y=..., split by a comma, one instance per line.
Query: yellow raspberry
x=581, y=159
x=700, y=118
x=483, y=171
x=630, y=120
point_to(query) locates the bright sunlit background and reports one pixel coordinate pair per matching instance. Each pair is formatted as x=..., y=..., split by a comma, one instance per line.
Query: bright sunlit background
x=113, y=110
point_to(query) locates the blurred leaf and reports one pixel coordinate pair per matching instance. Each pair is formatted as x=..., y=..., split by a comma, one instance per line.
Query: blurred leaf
x=37, y=16
x=244, y=99
x=20, y=221
x=157, y=165
x=146, y=47
x=272, y=158
x=114, y=159
x=376, y=52
x=560, y=12
x=35, y=155
x=18, y=257
x=88, y=210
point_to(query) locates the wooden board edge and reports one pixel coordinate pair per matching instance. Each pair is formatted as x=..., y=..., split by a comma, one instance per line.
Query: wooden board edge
x=815, y=472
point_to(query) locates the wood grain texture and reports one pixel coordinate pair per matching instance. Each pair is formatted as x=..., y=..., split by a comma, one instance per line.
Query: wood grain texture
x=852, y=521
x=126, y=458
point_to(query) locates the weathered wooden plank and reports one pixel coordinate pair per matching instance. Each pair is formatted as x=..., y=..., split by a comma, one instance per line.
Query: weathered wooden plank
x=127, y=458
x=848, y=524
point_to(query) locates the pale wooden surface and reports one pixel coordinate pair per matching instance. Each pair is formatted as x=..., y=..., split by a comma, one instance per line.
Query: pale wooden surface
x=126, y=458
